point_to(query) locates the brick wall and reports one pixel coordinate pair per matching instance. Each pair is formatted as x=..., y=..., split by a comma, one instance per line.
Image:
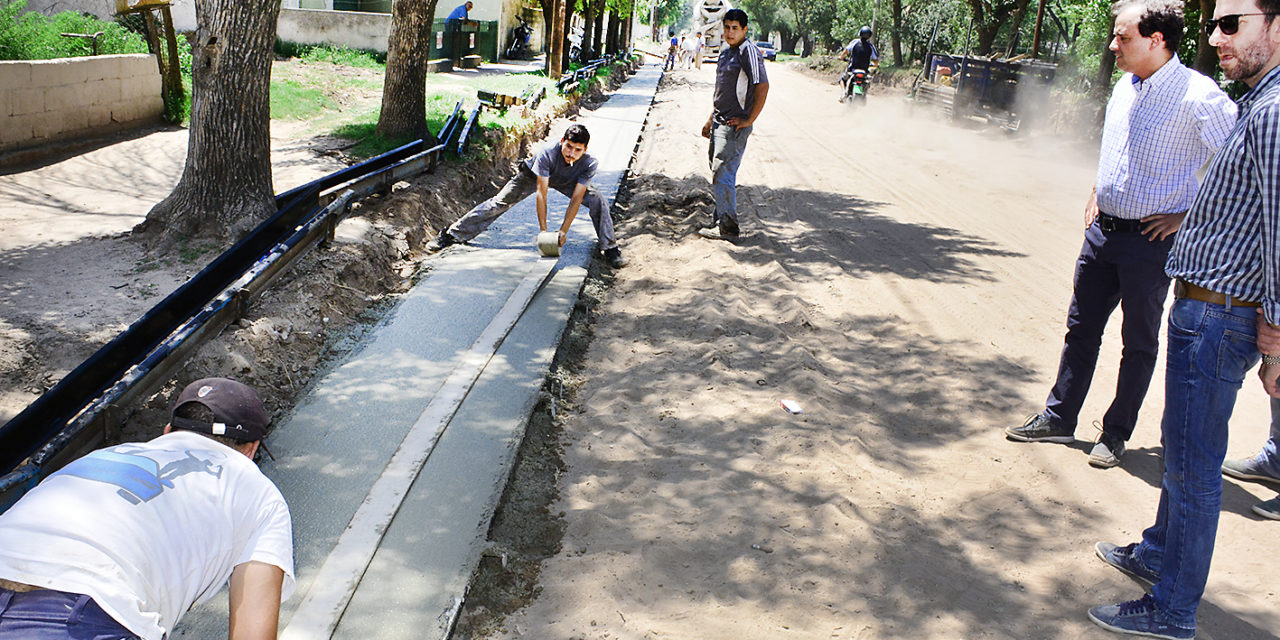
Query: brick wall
x=43, y=101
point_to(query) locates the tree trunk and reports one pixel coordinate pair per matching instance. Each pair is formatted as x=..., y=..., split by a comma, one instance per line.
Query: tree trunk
x=986, y=38
x=597, y=47
x=404, y=94
x=1107, y=65
x=569, y=10
x=894, y=34
x=612, y=46
x=1206, y=61
x=548, y=9
x=808, y=47
x=789, y=40
x=588, y=30
x=555, y=46
x=225, y=189
x=1015, y=31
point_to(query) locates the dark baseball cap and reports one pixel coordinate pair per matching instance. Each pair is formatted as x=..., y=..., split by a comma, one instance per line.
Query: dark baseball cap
x=237, y=410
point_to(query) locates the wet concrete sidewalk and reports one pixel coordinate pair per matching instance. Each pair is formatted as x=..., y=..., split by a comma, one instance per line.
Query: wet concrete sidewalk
x=445, y=381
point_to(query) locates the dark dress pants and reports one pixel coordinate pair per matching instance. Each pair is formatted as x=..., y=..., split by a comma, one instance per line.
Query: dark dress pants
x=1114, y=267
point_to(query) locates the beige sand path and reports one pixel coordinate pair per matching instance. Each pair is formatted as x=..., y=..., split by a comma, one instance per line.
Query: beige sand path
x=905, y=281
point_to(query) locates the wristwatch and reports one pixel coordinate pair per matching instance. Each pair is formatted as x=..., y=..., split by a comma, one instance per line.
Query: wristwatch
x=1273, y=360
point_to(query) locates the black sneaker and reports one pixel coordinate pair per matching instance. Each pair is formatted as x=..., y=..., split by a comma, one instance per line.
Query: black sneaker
x=441, y=241
x=1123, y=559
x=1038, y=428
x=614, y=258
x=716, y=233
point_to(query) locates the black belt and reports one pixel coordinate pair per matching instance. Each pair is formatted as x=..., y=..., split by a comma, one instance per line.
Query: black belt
x=1108, y=222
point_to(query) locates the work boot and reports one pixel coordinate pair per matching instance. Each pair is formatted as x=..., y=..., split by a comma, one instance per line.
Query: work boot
x=614, y=258
x=441, y=241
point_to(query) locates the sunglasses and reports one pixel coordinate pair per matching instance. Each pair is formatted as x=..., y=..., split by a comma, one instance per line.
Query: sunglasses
x=1229, y=24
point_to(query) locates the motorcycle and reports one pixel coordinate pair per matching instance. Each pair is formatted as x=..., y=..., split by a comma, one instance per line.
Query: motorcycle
x=855, y=86
x=519, y=47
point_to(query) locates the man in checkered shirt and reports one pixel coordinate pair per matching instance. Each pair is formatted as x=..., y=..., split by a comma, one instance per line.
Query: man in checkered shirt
x=1226, y=261
x=1164, y=121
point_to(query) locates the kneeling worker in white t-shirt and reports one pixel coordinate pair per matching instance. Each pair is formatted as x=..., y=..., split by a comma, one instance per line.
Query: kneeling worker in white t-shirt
x=121, y=543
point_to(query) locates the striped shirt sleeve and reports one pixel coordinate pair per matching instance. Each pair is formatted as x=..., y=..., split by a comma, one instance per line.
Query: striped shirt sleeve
x=1264, y=145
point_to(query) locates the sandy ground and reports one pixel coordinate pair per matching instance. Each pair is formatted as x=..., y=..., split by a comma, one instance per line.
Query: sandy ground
x=70, y=276
x=905, y=282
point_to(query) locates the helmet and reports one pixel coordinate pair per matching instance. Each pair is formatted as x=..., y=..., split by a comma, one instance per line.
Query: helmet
x=865, y=33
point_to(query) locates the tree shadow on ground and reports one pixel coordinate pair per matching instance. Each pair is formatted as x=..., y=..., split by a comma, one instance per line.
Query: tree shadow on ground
x=700, y=460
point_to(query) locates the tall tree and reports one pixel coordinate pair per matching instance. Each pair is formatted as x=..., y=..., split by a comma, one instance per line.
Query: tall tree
x=1206, y=61
x=895, y=34
x=404, y=89
x=225, y=189
x=988, y=17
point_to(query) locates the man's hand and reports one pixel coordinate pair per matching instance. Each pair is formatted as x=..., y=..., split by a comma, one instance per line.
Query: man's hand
x=739, y=123
x=1091, y=209
x=563, y=236
x=1162, y=225
x=706, y=129
x=1269, y=344
x=1269, y=373
x=1268, y=336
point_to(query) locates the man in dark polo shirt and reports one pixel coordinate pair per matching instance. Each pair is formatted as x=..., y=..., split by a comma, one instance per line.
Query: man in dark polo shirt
x=564, y=166
x=741, y=89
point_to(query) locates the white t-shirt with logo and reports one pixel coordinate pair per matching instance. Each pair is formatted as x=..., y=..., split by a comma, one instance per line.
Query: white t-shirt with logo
x=148, y=529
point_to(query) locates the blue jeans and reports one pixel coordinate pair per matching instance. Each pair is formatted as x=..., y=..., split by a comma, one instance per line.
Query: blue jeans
x=725, y=155
x=1211, y=349
x=1270, y=456
x=56, y=615
x=1114, y=268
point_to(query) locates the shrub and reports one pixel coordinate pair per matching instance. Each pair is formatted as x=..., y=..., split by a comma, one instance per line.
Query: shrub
x=34, y=36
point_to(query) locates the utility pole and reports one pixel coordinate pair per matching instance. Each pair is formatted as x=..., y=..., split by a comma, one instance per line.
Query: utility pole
x=1035, y=40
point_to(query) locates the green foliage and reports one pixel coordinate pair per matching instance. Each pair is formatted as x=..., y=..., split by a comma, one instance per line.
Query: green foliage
x=177, y=109
x=443, y=94
x=291, y=100
x=34, y=36
x=343, y=56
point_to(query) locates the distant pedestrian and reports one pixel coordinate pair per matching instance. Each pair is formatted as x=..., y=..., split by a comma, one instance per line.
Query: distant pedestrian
x=121, y=543
x=1163, y=122
x=564, y=166
x=453, y=27
x=1225, y=261
x=741, y=89
x=697, y=51
x=688, y=45
x=673, y=49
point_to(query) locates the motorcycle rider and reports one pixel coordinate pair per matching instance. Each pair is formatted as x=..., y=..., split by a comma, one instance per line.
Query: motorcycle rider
x=861, y=54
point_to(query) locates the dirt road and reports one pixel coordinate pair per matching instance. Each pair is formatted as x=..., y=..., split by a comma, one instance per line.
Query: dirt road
x=905, y=282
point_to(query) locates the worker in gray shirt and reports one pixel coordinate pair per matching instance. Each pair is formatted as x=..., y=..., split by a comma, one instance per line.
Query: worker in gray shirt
x=564, y=166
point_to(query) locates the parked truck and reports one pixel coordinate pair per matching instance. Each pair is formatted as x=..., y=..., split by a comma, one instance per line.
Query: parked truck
x=1006, y=93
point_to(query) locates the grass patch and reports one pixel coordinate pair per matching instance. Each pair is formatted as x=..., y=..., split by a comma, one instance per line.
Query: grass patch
x=35, y=36
x=370, y=143
x=290, y=100
x=343, y=56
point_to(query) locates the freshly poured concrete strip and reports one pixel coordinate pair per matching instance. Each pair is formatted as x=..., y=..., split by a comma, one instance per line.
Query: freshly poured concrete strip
x=344, y=433
x=318, y=614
